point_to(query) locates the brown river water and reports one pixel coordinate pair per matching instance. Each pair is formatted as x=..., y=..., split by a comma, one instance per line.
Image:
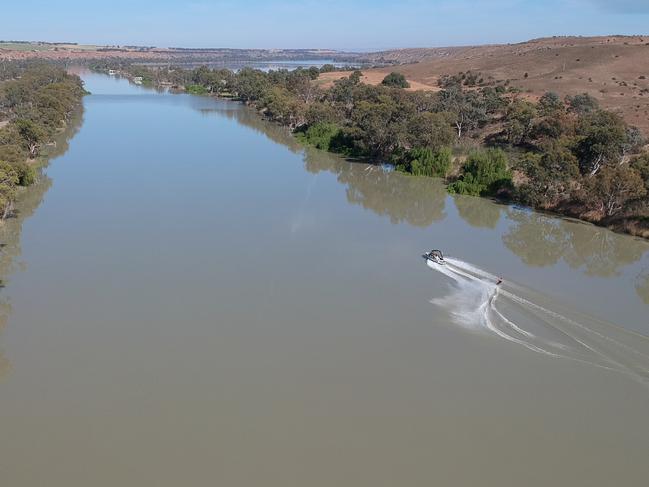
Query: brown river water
x=191, y=298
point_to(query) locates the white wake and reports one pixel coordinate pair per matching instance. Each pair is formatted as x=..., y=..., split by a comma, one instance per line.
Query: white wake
x=521, y=316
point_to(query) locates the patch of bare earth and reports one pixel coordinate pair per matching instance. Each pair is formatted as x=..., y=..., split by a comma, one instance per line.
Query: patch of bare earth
x=371, y=77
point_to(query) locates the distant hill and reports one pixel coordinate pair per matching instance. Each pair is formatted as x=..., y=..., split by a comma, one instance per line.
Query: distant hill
x=11, y=50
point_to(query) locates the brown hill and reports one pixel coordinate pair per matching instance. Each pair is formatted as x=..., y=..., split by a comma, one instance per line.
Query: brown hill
x=614, y=69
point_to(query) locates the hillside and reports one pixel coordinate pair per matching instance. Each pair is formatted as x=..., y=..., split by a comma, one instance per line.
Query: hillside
x=615, y=69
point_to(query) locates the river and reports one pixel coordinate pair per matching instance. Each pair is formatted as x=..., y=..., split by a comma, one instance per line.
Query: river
x=191, y=298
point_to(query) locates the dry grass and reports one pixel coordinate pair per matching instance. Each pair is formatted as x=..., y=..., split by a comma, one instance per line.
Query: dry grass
x=370, y=77
x=615, y=70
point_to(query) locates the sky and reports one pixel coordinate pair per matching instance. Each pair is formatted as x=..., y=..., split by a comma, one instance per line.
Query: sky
x=335, y=24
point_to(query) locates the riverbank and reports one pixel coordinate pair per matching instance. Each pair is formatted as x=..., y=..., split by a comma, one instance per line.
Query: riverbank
x=37, y=103
x=567, y=156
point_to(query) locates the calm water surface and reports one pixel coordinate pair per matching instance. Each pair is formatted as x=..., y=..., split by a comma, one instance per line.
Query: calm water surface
x=192, y=299
x=264, y=65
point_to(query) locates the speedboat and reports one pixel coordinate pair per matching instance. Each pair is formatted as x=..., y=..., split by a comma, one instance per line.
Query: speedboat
x=435, y=256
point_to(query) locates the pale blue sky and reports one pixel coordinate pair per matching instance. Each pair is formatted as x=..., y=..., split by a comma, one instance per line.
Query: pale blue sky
x=340, y=24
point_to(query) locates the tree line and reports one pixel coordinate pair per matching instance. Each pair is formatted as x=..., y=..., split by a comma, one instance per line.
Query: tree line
x=36, y=101
x=567, y=155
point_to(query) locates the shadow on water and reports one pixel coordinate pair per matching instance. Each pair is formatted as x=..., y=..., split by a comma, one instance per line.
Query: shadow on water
x=27, y=202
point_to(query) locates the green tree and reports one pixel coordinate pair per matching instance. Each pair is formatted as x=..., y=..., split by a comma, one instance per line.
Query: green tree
x=25, y=172
x=12, y=152
x=378, y=126
x=582, y=104
x=612, y=189
x=321, y=112
x=355, y=77
x=395, y=80
x=641, y=165
x=8, y=182
x=32, y=135
x=603, y=136
x=300, y=84
x=549, y=176
x=493, y=99
x=433, y=130
x=550, y=104
x=280, y=106
x=519, y=121
x=251, y=84
x=468, y=109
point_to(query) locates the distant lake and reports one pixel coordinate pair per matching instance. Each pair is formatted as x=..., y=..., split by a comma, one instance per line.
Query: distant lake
x=263, y=65
x=192, y=298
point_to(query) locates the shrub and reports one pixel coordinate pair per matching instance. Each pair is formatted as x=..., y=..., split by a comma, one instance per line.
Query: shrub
x=330, y=137
x=26, y=173
x=320, y=135
x=484, y=173
x=426, y=162
x=12, y=152
x=395, y=80
x=641, y=165
x=8, y=182
x=196, y=89
x=582, y=104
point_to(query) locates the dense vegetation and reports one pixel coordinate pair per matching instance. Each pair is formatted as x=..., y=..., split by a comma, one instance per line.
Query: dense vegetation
x=565, y=155
x=395, y=80
x=35, y=103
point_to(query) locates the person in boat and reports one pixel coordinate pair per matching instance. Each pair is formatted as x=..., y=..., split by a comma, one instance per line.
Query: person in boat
x=436, y=255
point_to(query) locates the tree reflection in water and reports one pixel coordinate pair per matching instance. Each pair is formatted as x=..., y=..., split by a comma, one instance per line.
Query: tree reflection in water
x=540, y=241
x=250, y=118
x=29, y=199
x=477, y=212
x=10, y=232
x=415, y=200
x=642, y=286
